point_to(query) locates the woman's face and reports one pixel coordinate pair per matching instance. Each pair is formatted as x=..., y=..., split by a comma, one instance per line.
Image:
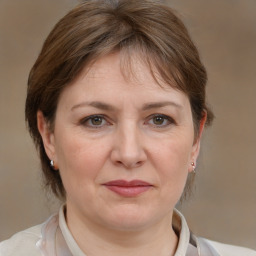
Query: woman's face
x=123, y=146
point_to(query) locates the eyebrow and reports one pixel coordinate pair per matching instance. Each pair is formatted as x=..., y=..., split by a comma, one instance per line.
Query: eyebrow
x=153, y=105
x=95, y=104
x=108, y=107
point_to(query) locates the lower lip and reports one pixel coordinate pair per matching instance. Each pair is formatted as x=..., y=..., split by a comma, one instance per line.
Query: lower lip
x=129, y=191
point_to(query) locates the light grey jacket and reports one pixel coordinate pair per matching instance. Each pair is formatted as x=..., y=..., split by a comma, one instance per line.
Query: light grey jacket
x=53, y=238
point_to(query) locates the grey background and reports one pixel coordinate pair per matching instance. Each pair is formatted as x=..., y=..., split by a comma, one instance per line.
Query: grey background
x=224, y=204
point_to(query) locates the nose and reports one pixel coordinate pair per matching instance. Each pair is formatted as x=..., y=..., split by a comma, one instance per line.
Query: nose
x=128, y=150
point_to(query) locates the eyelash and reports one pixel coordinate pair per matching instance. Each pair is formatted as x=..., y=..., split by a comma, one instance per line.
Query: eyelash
x=169, y=119
x=165, y=118
x=87, y=119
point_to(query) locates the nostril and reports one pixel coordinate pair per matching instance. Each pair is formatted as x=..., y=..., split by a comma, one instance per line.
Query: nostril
x=119, y=162
x=139, y=163
x=128, y=155
x=130, y=165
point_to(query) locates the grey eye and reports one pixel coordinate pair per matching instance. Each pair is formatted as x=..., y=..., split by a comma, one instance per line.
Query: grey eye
x=97, y=120
x=94, y=121
x=158, y=120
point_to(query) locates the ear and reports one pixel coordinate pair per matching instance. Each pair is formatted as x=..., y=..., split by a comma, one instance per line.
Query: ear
x=196, y=145
x=47, y=135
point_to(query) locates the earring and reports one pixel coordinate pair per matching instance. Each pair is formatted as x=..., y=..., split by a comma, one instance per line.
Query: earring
x=193, y=167
x=54, y=167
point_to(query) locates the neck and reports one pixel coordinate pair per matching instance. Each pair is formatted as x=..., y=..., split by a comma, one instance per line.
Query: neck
x=93, y=239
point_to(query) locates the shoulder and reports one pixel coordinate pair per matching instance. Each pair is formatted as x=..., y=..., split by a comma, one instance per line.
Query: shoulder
x=230, y=250
x=22, y=243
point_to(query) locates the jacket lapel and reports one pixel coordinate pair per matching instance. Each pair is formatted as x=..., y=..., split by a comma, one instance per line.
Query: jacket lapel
x=203, y=247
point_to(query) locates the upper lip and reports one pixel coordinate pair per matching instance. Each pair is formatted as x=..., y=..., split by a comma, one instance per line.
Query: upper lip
x=124, y=183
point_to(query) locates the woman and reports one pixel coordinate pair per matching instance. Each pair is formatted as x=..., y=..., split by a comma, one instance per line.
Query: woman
x=116, y=107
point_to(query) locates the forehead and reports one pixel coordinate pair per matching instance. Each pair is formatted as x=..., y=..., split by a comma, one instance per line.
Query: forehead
x=113, y=77
x=133, y=67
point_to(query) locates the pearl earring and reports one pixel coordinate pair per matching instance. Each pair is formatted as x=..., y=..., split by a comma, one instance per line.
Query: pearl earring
x=193, y=166
x=53, y=165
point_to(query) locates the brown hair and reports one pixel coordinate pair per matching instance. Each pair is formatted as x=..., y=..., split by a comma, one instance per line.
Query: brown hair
x=99, y=27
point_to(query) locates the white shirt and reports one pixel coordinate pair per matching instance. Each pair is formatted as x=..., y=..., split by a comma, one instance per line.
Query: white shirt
x=53, y=238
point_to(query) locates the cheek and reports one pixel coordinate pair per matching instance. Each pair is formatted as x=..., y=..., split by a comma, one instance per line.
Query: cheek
x=80, y=160
x=174, y=154
x=173, y=162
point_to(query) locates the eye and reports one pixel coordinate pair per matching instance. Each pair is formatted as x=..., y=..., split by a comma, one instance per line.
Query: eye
x=160, y=120
x=94, y=121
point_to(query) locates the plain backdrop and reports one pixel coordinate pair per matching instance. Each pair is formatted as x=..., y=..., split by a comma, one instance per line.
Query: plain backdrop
x=223, y=207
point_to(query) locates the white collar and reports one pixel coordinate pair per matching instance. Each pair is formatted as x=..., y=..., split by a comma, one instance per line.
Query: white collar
x=57, y=239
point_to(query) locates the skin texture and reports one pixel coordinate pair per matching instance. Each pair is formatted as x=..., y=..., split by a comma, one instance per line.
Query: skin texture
x=130, y=139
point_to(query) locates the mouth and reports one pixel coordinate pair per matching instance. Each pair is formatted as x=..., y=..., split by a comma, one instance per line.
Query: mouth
x=128, y=188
